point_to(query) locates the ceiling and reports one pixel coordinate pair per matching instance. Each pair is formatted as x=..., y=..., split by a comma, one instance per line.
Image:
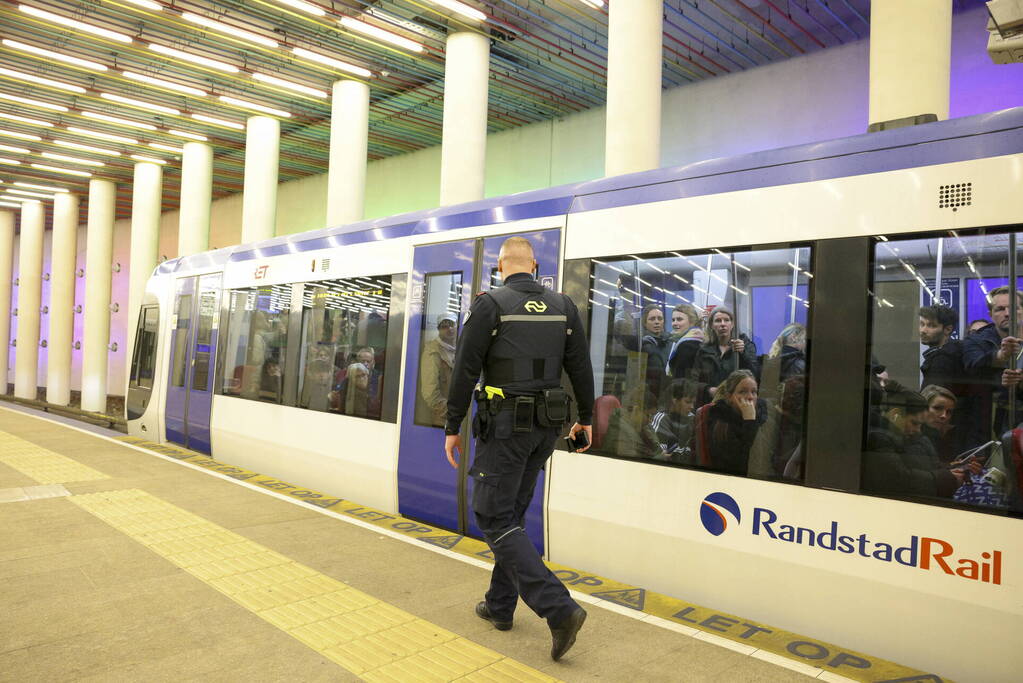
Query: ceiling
x=548, y=60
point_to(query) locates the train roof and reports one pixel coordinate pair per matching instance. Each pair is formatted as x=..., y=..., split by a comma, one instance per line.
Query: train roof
x=963, y=139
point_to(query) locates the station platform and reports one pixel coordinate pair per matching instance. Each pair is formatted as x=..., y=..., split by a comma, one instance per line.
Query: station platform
x=125, y=560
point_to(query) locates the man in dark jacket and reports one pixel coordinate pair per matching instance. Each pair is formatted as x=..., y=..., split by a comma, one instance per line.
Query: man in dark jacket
x=986, y=354
x=943, y=359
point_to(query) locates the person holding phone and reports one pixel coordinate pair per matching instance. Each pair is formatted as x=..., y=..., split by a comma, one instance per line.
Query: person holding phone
x=519, y=336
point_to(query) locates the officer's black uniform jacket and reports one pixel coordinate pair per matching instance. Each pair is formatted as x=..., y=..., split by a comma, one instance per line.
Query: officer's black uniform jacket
x=485, y=337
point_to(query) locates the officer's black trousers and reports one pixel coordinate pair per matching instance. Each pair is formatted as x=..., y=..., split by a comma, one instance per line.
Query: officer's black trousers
x=505, y=473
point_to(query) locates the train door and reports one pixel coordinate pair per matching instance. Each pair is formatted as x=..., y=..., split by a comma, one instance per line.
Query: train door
x=193, y=350
x=443, y=280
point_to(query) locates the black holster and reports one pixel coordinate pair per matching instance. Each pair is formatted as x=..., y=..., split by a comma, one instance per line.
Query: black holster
x=552, y=408
x=483, y=422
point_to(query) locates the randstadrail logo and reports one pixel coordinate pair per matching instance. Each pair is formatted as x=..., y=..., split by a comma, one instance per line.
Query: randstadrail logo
x=713, y=509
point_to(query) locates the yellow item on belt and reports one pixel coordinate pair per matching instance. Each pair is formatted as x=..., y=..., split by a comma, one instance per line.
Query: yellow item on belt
x=492, y=392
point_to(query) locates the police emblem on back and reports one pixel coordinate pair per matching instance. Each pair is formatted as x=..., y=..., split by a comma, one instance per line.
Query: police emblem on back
x=536, y=306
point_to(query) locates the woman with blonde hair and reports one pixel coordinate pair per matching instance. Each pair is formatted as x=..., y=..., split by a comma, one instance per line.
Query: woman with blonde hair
x=790, y=350
x=731, y=422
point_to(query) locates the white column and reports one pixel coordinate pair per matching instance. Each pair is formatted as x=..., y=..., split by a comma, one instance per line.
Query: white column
x=99, y=249
x=349, y=133
x=146, y=199
x=196, y=194
x=259, y=199
x=910, y=58
x=463, y=153
x=6, y=282
x=63, y=255
x=632, y=139
x=30, y=284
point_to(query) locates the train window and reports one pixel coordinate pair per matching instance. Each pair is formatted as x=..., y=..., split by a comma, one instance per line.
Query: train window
x=344, y=343
x=209, y=305
x=700, y=358
x=940, y=373
x=256, y=342
x=442, y=310
x=180, y=348
x=143, y=359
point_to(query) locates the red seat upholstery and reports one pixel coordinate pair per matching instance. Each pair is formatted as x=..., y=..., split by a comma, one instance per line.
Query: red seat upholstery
x=700, y=431
x=602, y=409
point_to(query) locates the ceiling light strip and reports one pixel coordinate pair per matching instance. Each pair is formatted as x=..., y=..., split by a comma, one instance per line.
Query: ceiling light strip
x=186, y=134
x=379, y=33
x=29, y=193
x=170, y=85
x=166, y=148
x=297, y=87
x=25, y=119
x=254, y=106
x=151, y=160
x=140, y=104
x=228, y=29
x=21, y=76
x=16, y=150
x=41, y=187
x=103, y=136
x=330, y=61
x=9, y=162
x=194, y=58
x=218, y=122
x=71, y=160
x=75, y=24
x=305, y=7
x=118, y=121
x=31, y=102
x=20, y=136
x=460, y=8
x=86, y=148
x=56, y=169
x=50, y=54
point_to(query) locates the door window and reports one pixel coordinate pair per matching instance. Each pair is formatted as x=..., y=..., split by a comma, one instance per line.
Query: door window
x=184, y=317
x=144, y=357
x=442, y=308
x=209, y=304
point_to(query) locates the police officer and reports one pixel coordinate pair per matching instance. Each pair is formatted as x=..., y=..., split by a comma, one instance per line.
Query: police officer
x=520, y=336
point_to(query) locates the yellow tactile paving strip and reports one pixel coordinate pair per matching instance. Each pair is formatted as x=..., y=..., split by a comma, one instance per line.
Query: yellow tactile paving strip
x=370, y=638
x=42, y=464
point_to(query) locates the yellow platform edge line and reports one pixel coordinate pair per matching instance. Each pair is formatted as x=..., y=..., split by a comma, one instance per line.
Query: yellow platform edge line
x=368, y=637
x=817, y=653
x=41, y=464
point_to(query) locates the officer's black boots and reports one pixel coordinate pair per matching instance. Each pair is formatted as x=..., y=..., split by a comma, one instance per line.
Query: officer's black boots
x=563, y=635
x=483, y=613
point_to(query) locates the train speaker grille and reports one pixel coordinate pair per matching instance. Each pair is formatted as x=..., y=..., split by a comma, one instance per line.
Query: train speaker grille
x=954, y=195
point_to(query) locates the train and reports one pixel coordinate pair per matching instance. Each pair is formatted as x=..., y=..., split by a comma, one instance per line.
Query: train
x=319, y=358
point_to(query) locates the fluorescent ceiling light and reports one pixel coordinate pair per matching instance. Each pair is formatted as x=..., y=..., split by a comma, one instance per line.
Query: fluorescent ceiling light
x=229, y=30
x=166, y=148
x=140, y=104
x=15, y=198
x=254, y=106
x=103, y=136
x=10, y=205
x=305, y=7
x=9, y=162
x=75, y=24
x=25, y=119
x=461, y=8
x=22, y=136
x=147, y=4
x=371, y=30
x=72, y=160
x=16, y=150
x=151, y=160
x=41, y=81
x=120, y=122
x=330, y=61
x=87, y=148
x=170, y=85
x=598, y=4
x=186, y=134
x=29, y=193
x=297, y=87
x=218, y=122
x=55, y=169
x=42, y=187
x=31, y=102
x=195, y=59
x=50, y=54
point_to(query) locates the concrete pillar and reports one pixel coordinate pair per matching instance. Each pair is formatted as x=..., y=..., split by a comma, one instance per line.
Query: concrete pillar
x=63, y=255
x=146, y=199
x=259, y=198
x=632, y=138
x=99, y=250
x=349, y=133
x=910, y=58
x=463, y=152
x=196, y=194
x=6, y=282
x=30, y=283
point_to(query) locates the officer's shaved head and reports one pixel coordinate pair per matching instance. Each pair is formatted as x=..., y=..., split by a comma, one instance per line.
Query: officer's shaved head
x=517, y=256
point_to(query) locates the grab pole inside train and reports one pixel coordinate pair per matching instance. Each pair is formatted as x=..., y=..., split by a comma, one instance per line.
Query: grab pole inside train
x=1013, y=322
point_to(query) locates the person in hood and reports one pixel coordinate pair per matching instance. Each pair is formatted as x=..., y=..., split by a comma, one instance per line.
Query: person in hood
x=435, y=370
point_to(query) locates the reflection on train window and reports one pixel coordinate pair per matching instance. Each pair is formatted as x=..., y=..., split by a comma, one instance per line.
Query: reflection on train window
x=180, y=346
x=344, y=340
x=442, y=308
x=939, y=410
x=256, y=342
x=700, y=358
x=144, y=357
x=209, y=310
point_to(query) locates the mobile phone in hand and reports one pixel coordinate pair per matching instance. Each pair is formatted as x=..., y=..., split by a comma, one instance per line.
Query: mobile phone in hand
x=580, y=441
